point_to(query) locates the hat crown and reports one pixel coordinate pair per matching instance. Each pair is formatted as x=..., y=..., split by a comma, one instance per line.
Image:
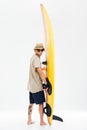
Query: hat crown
x=39, y=46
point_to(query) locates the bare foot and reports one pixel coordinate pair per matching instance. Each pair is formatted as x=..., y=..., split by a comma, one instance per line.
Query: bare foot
x=43, y=123
x=30, y=122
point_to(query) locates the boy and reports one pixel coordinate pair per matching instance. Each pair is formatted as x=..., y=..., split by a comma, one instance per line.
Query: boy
x=36, y=77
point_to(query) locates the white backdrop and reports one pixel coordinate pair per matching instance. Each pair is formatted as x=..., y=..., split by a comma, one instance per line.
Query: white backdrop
x=20, y=28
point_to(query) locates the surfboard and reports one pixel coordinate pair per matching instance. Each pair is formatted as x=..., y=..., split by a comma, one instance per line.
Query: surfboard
x=50, y=65
x=49, y=49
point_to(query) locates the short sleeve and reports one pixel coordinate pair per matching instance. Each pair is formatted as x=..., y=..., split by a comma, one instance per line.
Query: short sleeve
x=37, y=62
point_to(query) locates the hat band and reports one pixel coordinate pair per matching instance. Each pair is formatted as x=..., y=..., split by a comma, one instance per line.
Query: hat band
x=39, y=47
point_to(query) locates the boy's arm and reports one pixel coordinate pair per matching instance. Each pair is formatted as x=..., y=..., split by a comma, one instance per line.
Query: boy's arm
x=47, y=85
x=42, y=75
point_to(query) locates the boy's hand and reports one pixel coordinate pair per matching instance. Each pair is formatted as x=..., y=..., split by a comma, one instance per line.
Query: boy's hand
x=47, y=86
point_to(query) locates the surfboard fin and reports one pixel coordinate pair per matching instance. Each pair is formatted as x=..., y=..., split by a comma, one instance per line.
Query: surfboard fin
x=57, y=118
x=47, y=110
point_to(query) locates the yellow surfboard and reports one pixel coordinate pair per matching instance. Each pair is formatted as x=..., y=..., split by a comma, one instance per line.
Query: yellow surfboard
x=49, y=46
x=50, y=58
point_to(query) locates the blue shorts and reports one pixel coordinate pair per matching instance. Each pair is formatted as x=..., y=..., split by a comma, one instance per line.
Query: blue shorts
x=37, y=98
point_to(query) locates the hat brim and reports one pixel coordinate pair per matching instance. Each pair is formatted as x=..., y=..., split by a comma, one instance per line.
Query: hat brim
x=38, y=48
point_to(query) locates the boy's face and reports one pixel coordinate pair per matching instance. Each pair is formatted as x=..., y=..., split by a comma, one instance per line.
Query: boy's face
x=39, y=52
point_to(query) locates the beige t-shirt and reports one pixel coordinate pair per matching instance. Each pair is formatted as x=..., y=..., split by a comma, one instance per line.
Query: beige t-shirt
x=34, y=83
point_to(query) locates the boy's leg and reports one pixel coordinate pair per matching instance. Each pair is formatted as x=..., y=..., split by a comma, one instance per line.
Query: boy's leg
x=41, y=114
x=30, y=107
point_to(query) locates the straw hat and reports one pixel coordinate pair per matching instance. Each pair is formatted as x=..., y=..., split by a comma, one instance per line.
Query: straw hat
x=39, y=46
